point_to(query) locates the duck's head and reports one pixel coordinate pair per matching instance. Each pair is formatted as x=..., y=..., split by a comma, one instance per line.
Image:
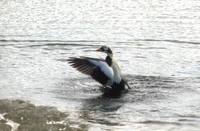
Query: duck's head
x=105, y=49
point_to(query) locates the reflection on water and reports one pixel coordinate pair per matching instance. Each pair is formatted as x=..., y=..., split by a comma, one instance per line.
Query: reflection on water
x=100, y=110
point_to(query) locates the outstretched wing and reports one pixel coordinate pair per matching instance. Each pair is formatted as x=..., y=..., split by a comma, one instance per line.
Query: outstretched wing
x=97, y=68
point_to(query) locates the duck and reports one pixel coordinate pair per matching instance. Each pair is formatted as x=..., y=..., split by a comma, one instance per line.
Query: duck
x=105, y=71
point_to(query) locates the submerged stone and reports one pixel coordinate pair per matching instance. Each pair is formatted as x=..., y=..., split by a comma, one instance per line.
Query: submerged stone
x=5, y=127
x=2, y=121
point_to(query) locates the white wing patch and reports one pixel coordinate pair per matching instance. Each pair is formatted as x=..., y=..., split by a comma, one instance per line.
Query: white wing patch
x=104, y=68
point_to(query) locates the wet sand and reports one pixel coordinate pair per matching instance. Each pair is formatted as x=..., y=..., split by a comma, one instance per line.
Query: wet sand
x=18, y=115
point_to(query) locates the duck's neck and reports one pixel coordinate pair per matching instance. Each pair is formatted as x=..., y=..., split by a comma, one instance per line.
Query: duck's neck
x=109, y=59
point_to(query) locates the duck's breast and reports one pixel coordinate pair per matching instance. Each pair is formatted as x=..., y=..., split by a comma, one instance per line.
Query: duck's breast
x=117, y=72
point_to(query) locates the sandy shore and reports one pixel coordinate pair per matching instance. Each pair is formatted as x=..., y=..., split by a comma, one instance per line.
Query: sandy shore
x=18, y=115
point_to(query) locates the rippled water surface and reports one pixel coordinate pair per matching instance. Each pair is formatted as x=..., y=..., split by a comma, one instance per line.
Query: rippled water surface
x=156, y=43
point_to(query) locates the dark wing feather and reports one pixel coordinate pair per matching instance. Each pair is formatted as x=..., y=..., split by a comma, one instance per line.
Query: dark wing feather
x=91, y=66
x=82, y=65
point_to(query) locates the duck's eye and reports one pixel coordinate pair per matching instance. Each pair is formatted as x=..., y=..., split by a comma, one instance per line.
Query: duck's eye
x=105, y=48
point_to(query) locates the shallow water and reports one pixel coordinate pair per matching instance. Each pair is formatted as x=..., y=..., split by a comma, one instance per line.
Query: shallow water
x=156, y=44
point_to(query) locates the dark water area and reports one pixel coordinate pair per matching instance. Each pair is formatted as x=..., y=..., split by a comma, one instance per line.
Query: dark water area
x=156, y=44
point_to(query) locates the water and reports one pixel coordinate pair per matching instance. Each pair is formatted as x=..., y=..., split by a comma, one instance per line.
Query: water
x=156, y=44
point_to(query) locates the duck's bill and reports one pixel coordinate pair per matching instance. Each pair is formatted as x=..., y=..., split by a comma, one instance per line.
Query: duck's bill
x=98, y=49
x=89, y=50
x=94, y=50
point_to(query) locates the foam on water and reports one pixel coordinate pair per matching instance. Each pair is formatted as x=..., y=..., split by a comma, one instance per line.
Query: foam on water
x=14, y=125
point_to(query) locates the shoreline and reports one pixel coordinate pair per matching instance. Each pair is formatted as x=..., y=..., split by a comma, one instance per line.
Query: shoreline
x=19, y=115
